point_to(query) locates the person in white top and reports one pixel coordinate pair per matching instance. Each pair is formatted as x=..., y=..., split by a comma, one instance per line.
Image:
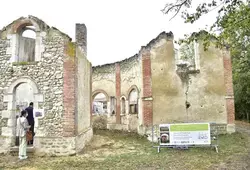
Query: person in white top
x=22, y=128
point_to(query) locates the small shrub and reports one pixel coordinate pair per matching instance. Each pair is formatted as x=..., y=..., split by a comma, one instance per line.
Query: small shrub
x=99, y=122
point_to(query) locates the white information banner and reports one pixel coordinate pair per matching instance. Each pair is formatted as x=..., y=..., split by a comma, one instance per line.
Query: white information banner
x=185, y=134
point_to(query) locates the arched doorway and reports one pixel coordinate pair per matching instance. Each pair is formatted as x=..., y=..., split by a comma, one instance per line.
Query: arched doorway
x=18, y=96
x=23, y=95
x=99, y=105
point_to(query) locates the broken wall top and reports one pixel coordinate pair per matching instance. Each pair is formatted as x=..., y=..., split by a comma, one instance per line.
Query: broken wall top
x=152, y=43
x=17, y=25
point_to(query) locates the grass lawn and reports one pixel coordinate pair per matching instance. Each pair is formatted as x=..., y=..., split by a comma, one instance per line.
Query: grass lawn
x=116, y=150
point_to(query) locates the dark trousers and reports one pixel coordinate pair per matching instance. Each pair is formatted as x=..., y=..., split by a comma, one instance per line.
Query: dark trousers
x=32, y=124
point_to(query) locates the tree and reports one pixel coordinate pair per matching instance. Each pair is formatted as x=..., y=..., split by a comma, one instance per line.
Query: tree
x=232, y=23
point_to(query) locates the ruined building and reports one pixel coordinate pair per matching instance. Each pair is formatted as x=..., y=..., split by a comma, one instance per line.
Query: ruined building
x=152, y=87
x=52, y=72
x=147, y=89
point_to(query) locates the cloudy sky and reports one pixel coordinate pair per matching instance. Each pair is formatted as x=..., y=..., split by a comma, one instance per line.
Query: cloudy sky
x=116, y=28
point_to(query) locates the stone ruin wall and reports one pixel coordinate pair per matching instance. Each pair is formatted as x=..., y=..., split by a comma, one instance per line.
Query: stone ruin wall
x=55, y=132
x=165, y=88
x=126, y=75
x=203, y=88
x=131, y=77
x=48, y=73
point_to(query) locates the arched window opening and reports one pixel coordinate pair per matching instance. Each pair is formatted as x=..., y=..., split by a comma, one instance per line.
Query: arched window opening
x=133, y=102
x=113, y=105
x=100, y=104
x=123, y=106
x=29, y=33
x=26, y=44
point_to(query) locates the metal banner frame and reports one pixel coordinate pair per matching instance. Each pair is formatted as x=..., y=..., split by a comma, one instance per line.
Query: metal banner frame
x=213, y=136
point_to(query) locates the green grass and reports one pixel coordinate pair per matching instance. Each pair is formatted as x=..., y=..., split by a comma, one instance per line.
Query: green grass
x=143, y=156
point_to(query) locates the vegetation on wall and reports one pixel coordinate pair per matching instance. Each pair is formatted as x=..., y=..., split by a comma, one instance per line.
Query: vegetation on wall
x=231, y=30
x=21, y=63
x=71, y=49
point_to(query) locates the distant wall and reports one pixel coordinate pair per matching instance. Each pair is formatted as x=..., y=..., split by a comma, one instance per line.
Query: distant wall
x=167, y=90
x=130, y=75
x=103, y=78
x=117, y=80
x=205, y=89
x=170, y=92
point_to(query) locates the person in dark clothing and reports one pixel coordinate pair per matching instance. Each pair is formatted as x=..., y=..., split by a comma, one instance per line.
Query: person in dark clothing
x=30, y=119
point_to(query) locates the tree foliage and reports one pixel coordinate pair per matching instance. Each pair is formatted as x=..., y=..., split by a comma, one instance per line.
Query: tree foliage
x=233, y=25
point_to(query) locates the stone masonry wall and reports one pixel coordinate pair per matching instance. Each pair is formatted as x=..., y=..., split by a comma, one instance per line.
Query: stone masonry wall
x=47, y=74
x=52, y=146
x=4, y=44
x=60, y=79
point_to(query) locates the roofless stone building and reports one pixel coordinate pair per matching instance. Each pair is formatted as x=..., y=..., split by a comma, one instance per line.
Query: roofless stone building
x=53, y=72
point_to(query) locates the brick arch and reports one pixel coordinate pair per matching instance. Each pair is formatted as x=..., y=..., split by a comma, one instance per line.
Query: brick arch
x=23, y=23
x=94, y=93
x=133, y=87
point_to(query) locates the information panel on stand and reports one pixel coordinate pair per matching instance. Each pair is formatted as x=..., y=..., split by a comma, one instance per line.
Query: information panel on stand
x=185, y=134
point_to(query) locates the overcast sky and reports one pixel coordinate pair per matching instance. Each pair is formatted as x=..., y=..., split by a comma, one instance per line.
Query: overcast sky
x=116, y=28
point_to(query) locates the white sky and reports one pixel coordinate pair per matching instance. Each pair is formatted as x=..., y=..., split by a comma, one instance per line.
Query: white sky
x=116, y=28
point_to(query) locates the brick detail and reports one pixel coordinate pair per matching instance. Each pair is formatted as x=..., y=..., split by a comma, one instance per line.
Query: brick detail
x=230, y=111
x=229, y=87
x=147, y=105
x=69, y=101
x=20, y=24
x=147, y=112
x=118, y=92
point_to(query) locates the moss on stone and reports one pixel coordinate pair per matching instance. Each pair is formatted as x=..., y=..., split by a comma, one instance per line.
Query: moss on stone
x=71, y=48
x=21, y=63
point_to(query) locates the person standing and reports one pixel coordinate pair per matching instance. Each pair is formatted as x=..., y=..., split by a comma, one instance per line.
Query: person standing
x=22, y=128
x=31, y=120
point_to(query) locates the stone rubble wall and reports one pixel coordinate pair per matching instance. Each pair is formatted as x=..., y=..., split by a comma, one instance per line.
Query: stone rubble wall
x=4, y=44
x=56, y=77
x=62, y=146
x=47, y=74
